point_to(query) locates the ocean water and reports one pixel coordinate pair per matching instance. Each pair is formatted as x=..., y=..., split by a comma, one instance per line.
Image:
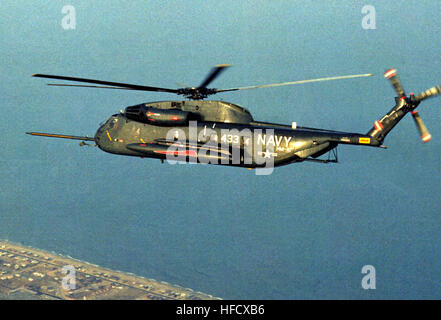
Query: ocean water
x=313, y=246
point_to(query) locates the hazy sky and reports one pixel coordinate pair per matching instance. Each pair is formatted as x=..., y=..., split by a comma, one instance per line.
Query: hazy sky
x=304, y=231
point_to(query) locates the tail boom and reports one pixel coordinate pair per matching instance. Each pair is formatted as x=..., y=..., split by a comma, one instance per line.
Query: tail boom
x=383, y=126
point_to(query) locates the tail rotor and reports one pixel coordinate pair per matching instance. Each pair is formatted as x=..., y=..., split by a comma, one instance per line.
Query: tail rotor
x=412, y=102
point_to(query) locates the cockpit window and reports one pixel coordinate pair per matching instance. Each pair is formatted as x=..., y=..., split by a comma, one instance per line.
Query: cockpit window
x=112, y=122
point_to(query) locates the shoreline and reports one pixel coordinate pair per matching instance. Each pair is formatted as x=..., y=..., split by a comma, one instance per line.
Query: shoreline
x=40, y=274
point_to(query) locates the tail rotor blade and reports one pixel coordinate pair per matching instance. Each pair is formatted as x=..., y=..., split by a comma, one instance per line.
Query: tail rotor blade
x=391, y=74
x=429, y=93
x=425, y=135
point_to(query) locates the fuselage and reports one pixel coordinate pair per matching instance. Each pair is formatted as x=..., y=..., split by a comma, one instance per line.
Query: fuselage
x=251, y=145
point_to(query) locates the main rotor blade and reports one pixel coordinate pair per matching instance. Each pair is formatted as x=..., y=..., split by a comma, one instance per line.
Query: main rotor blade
x=108, y=83
x=296, y=82
x=85, y=86
x=215, y=72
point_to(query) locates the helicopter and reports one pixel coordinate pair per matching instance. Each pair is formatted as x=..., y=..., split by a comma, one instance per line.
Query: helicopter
x=217, y=132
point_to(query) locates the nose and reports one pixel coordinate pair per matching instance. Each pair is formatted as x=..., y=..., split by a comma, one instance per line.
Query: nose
x=98, y=133
x=100, y=137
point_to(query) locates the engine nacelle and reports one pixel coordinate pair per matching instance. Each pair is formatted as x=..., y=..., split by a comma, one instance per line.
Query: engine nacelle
x=156, y=116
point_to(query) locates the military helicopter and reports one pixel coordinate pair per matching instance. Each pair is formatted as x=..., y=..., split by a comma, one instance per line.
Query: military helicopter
x=218, y=132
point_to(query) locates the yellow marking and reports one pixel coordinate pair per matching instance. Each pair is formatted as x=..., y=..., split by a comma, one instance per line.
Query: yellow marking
x=142, y=140
x=108, y=134
x=364, y=140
